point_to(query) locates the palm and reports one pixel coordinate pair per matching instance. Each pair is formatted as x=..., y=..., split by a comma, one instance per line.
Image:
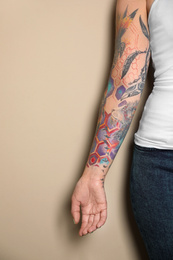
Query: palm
x=90, y=196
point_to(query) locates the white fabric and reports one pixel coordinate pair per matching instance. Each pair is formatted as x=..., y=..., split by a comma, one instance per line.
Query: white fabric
x=156, y=124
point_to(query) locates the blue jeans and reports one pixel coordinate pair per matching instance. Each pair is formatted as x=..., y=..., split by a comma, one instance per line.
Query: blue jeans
x=151, y=192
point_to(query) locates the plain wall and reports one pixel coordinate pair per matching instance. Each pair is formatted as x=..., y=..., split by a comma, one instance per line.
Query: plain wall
x=55, y=60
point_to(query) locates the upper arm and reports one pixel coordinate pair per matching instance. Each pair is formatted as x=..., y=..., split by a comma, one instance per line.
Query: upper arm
x=132, y=52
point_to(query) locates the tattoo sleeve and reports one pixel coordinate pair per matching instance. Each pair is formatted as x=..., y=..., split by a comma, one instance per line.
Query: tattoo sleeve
x=125, y=85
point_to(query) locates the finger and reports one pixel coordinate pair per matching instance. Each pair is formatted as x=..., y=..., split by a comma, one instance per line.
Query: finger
x=103, y=216
x=90, y=222
x=75, y=210
x=93, y=227
x=85, y=219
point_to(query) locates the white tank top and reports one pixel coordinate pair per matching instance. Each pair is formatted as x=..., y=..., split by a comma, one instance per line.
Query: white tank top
x=156, y=124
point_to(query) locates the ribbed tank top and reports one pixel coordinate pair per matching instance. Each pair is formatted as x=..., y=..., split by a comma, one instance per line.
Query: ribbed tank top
x=156, y=124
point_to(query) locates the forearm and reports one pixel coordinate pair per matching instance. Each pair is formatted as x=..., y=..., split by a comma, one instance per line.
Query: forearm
x=121, y=97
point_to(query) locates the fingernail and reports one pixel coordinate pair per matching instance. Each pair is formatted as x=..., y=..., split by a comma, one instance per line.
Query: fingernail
x=74, y=221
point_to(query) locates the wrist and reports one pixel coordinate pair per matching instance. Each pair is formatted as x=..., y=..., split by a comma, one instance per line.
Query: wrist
x=93, y=173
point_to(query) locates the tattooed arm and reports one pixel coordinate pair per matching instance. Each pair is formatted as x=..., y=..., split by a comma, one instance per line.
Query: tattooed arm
x=121, y=97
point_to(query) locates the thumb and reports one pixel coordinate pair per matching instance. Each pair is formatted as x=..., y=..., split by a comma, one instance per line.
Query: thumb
x=75, y=210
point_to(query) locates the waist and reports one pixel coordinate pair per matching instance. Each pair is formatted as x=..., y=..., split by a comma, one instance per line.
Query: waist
x=156, y=124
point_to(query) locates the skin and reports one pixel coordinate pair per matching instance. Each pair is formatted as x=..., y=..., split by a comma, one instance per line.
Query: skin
x=120, y=100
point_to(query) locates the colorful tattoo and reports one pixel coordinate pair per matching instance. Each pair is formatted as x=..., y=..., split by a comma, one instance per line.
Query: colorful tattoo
x=123, y=24
x=119, y=104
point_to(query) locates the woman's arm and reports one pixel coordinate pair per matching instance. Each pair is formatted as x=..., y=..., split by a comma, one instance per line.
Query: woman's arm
x=121, y=97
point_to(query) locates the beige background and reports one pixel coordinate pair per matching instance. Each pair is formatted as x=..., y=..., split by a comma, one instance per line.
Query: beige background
x=55, y=59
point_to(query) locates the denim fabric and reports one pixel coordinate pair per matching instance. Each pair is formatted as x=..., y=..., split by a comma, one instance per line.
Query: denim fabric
x=151, y=192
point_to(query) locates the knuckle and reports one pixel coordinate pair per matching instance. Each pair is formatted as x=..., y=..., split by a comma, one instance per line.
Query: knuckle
x=84, y=222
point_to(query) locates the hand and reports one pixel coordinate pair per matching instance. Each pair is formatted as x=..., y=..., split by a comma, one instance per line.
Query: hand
x=89, y=194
